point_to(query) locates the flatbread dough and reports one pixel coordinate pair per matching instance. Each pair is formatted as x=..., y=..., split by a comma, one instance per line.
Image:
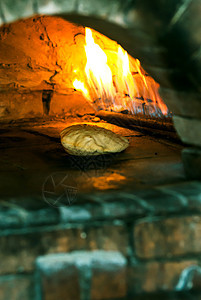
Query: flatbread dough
x=85, y=139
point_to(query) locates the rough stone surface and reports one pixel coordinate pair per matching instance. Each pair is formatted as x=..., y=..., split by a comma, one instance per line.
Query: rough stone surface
x=128, y=208
x=62, y=60
x=17, y=287
x=102, y=272
x=163, y=200
x=24, y=248
x=176, y=236
x=62, y=55
x=156, y=276
x=57, y=278
x=70, y=104
x=114, y=238
x=108, y=276
x=192, y=162
x=29, y=105
x=159, y=18
x=20, y=105
x=188, y=129
x=19, y=250
x=21, y=63
x=96, y=179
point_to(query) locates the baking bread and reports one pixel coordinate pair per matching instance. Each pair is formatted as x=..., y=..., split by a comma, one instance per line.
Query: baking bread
x=85, y=139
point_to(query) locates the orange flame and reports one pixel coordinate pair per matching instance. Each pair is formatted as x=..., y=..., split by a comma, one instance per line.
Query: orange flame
x=97, y=70
x=128, y=88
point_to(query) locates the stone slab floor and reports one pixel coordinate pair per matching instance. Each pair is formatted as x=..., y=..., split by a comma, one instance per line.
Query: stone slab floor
x=30, y=152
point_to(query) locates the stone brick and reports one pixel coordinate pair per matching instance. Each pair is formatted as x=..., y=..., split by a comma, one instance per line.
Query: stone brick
x=57, y=278
x=109, y=238
x=17, y=217
x=182, y=103
x=21, y=105
x=16, y=287
x=111, y=209
x=99, y=273
x=19, y=248
x=19, y=251
x=16, y=59
x=156, y=276
x=72, y=103
x=188, y=130
x=76, y=214
x=169, y=237
x=192, y=162
x=108, y=276
x=160, y=200
x=28, y=105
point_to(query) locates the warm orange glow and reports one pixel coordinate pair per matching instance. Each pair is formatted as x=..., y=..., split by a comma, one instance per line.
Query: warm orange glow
x=78, y=85
x=124, y=76
x=117, y=81
x=150, y=88
x=111, y=181
x=97, y=70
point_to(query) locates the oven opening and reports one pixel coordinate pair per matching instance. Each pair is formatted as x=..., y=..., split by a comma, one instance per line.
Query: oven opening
x=97, y=198
x=58, y=74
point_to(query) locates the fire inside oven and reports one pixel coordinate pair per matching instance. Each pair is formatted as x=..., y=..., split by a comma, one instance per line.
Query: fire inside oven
x=56, y=74
x=57, y=56
x=94, y=199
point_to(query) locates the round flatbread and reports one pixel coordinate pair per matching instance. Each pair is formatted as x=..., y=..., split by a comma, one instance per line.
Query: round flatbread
x=85, y=139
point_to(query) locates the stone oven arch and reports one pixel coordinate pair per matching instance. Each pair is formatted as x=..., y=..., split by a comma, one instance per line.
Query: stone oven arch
x=169, y=45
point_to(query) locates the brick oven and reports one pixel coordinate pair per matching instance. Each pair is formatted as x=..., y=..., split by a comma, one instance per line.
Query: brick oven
x=113, y=226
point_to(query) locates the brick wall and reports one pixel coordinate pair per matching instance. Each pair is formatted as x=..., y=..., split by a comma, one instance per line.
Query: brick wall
x=144, y=244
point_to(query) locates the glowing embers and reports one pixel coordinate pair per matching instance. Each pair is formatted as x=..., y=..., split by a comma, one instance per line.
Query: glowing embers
x=117, y=82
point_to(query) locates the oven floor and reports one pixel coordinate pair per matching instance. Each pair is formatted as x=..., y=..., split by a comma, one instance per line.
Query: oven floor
x=30, y=152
